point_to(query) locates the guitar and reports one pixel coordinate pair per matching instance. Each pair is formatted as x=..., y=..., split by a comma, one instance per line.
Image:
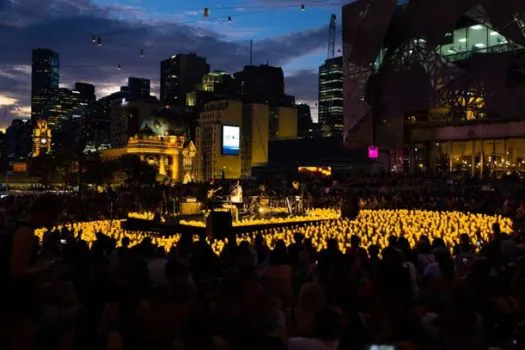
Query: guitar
x=212, y=192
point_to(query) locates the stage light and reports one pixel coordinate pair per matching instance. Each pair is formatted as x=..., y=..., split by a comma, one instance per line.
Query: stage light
x=141, y=52
x=229, y=19
x=119, y=67
x=302, y=7
x=99, y=41
x=206, y=12
x=94, y=39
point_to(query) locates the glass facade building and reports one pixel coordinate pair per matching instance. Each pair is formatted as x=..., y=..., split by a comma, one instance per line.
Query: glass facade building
x=439, y=93
x=467, y=39
x=179, y=75
x=331, y=96
x=59, y=107
x=138, y=87
x=45, y=77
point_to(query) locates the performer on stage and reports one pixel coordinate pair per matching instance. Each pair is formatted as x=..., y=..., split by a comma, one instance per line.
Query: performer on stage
x=295, y=201
x=211, y=192
x=236, y=199
x=236, y=193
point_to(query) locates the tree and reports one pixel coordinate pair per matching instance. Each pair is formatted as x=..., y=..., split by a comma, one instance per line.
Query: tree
x=137, y=171
x=44, y=168
x=97, y=171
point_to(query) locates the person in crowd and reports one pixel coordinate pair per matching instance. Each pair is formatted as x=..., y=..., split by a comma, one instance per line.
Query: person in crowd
x=23, y=272
x=329, y=325
x=300, y=319
x=71, y=290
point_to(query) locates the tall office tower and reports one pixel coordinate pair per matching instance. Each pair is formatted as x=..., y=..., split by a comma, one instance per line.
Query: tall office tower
x=331, y=96
x=138, y=87
x=45, y=76
x=59, y=106
x=180, y=75
x=263, y=84
x=304, y=120
x=86, y=91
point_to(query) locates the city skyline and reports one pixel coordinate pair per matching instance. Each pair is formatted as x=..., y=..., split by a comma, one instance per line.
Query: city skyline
x=283, y=35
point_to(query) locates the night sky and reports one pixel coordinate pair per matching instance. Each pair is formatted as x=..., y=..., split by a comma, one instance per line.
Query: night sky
x=283, y=35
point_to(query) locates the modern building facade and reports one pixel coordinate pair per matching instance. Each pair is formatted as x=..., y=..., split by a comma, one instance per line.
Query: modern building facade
x=305, y=125
x=253, y=125
x=263, y=84
x=437, y=93
x=60, y=105
x=127, y=115
x=18, y=141
x=212, y=162
x=331, y=95
x=139, y=87
x=86, y=91
x=45, y=78
x=180, y=75
x=125, y=111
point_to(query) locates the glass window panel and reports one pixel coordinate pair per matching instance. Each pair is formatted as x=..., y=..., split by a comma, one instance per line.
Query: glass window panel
x=477, y=38
x=460, y=40
x=496, y=38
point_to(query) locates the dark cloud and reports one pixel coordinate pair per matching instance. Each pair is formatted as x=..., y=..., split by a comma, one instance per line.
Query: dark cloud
x=67, y=26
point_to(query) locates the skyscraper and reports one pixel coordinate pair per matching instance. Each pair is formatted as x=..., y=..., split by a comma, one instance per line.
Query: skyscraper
x=263, y=84
x=59, y=105
x=87, y=91
x=331, y=96
x=138, y=87
x=304, y=120
x=45, y=76
x=179, y=75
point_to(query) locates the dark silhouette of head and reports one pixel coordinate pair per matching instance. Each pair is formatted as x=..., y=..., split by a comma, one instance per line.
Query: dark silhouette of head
x=45, y=210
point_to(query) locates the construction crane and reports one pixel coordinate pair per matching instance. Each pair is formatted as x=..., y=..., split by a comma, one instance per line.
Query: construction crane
x=331, y=37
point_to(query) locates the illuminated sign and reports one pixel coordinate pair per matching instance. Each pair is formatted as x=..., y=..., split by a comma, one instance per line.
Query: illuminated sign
x=231, y=140
x=373, y=152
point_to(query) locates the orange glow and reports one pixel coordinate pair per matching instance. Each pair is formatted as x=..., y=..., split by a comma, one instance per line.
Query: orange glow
x=325, y=171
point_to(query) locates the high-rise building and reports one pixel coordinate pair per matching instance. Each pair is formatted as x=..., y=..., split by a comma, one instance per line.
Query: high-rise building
x=18, y=139
x=443, y=94
x=86, y=91
x=233, y=136
x=45, y=76
x=215, y=86
x=304, y=121
x=331, y=96
x=59, y=107
x=138, y=87
x=179, y=75
x=219, y=82
x=263, y=84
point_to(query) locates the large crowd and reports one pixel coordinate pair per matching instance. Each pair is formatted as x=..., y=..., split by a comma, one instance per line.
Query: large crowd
x=448, y=274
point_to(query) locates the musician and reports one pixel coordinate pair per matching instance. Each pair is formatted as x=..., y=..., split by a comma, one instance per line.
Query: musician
x=262, y=190
x=211, y=192
x=236, y=193
x=296, y=198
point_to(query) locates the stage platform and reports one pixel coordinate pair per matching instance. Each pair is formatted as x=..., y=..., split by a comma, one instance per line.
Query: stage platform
x=196, y=224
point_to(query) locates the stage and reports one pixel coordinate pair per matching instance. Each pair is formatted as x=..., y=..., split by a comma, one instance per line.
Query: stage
x=196, y=224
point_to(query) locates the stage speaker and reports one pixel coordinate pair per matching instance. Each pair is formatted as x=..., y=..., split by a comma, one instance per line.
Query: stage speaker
x=219, y=224
x=350, y=209
x=190, y=208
